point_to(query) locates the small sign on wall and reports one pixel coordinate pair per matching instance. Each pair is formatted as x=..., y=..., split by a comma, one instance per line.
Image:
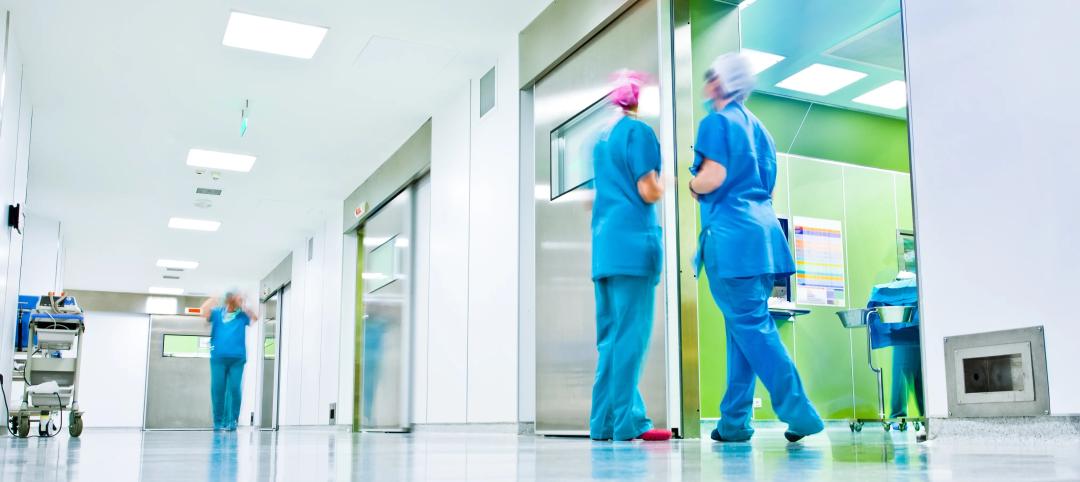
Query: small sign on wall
x=360, y=210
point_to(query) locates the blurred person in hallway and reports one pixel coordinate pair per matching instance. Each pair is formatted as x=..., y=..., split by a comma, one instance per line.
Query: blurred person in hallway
x=228, y=352
x=743, y=250
x=626, y=265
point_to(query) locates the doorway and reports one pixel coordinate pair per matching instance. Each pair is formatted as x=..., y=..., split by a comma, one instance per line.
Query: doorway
x=390, y=297
x=270, y=358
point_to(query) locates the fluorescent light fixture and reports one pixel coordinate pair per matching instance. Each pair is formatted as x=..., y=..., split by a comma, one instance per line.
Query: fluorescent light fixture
x=220, y=160
x=759, y=61
x=892, y=95
x=273, y=36
x=820, y=79
x=194, y=224
x=172, y=263
x=161, y=290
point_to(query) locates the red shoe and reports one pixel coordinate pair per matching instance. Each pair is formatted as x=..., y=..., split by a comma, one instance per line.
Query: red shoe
x=656, y=435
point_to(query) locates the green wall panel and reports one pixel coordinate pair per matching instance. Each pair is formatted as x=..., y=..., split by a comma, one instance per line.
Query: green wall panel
x=871, y=259
x=822, y=346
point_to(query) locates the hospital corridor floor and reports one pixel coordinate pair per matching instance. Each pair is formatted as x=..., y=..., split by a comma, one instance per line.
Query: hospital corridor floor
x=328, y=454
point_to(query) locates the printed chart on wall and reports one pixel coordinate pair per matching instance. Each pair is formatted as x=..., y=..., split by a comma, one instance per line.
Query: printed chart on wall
x=819, y=260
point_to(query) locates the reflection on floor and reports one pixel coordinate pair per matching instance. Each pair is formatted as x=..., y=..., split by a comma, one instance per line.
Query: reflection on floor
x=317, y=455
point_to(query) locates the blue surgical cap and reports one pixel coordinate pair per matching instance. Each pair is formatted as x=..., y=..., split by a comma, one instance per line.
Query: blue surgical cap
x=736, y=76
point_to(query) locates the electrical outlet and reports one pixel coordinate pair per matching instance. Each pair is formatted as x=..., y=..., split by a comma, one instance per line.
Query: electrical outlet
x=757, y=402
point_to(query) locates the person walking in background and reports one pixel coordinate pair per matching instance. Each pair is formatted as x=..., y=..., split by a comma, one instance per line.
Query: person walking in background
x=228, y=352
x=626, y=265
x=743, y=250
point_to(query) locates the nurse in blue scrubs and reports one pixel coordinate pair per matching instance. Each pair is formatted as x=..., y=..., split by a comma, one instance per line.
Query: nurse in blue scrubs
x=228, y=353
x=743, y=250
x=626, y=262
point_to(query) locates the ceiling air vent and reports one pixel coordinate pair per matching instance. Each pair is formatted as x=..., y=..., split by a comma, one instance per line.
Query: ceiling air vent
x=170, y=276
x=174, y=269
x=208, y=191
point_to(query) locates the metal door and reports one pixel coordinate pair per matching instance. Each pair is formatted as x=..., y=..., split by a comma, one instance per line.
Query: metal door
x=569, y=111
x=269, y=373
x=178, y=374
x=386, y=299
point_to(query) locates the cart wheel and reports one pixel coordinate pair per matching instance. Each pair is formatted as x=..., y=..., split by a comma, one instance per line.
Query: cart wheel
x=886, y=425
x=858, y=426
x=851, y=425
x=24, y=427
x=902, y=426
x=918, y=426
x=76, y=425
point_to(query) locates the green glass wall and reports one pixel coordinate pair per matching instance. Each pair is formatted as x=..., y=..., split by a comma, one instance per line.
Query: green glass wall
x=843, y=165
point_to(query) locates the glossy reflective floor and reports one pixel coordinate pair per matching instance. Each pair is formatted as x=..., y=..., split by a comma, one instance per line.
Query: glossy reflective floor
x=317, y=455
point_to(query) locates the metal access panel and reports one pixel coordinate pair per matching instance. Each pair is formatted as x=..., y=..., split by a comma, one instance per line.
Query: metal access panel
x=569, y=110
x=997, y=374
x=386, y=295
x=178, y=374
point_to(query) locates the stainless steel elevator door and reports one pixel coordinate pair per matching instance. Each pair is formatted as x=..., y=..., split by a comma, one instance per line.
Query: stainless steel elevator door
x=178, y=374
x=269, y=359
x=567, y=98
x=386, y=299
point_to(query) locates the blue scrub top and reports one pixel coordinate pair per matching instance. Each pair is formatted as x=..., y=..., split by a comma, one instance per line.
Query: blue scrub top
x=625, y=231
x=227, y=333
x=897, y=293
x=740, y=233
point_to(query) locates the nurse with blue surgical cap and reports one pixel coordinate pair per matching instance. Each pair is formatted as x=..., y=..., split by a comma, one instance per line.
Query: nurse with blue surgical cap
x=626, y=262
x=743, y=250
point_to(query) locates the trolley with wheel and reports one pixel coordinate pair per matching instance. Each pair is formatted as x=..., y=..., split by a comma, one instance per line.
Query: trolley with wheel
x=860, y=318
x=51, y=373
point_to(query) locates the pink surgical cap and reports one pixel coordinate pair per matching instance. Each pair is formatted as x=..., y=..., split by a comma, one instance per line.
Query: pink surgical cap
x=626, y=88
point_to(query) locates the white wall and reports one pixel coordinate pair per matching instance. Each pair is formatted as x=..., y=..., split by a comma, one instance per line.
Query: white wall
x=995, y=148
x=113, y=379
x=465, y=343
x=42, y=256
x=311, y=329
x=15, y=122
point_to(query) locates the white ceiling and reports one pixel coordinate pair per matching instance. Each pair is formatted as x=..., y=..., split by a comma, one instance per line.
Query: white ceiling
x=122, y=89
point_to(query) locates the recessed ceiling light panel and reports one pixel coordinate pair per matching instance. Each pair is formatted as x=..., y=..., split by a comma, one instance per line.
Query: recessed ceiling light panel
x=889, y=96
x=220, y=160
x=161, y=290
x=759, y=61
x=174, y=263
x=194, y=224
x=273, y=36
x=820, y=79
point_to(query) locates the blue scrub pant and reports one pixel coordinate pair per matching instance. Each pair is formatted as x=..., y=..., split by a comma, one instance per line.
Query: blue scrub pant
x=754, y=350
x=226, y=388
x=906, y=376
x=624, y=318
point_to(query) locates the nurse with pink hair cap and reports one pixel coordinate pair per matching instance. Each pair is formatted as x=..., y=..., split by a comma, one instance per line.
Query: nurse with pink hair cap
x=626, y=265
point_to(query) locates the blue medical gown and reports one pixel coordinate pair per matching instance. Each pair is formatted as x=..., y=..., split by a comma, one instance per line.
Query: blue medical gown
x=743, y=249
x=906, y=373
x=625, y=230
x=897, y=293
x=740, y=233
x=626, y=265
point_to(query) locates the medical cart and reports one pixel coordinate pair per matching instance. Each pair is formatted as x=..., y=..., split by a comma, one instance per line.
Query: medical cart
x=860, y=318
x=51, y=375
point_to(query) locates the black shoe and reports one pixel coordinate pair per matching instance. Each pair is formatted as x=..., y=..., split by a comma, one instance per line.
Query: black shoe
x=793, y=437
x=716, y=436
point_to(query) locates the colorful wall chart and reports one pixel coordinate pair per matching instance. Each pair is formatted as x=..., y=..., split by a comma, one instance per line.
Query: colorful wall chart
x=819, y=261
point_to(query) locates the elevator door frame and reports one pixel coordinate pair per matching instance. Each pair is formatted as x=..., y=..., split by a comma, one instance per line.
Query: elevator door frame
x=404, y=402
x=279, y=296
x=555, y=103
